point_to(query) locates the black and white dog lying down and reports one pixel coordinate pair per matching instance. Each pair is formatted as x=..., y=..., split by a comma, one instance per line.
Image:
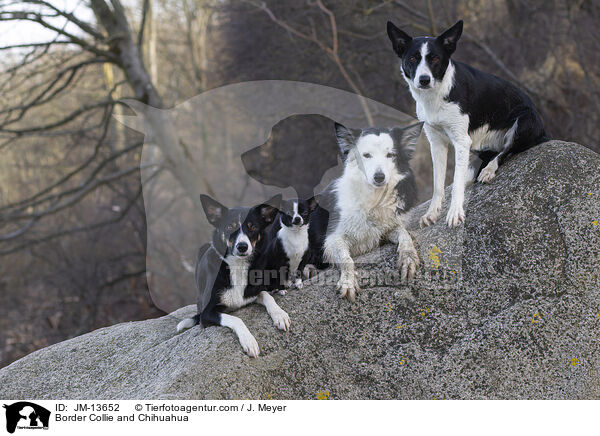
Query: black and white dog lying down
x=365, y=206
x=239, y=239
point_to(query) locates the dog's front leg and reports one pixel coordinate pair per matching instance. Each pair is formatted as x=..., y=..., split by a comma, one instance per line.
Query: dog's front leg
x=438, y=142
x=337, y=252
x=408, y=258
x=247, y=340
x=456, y=213
x=279, y=316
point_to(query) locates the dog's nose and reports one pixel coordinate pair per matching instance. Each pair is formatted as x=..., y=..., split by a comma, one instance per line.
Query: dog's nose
x=242, y=247
x=297, y=221
x=424, y=80
x=379, y=177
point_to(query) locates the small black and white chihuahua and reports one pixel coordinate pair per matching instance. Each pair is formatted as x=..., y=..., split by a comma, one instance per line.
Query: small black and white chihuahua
x=239, y=239
x=485, y=118
x=288, y=246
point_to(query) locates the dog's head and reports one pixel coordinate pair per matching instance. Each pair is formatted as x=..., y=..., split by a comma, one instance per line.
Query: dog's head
x=424, y=60
x=239, y=229
x=379, y=153
x=296, y=212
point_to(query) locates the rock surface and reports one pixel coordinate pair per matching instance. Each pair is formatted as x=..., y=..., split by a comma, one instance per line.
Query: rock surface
x=506, y=306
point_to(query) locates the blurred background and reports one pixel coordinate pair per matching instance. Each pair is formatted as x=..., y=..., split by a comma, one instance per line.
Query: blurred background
x=72, y=221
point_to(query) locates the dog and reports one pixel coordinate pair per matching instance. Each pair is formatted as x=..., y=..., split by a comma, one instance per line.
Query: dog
x=366, y=204
x=222, y=269
x=473, y=110
x=288, y=246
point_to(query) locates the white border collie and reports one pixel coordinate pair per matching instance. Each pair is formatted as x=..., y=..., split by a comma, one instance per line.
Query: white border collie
x=473, y=110
x=365, y=206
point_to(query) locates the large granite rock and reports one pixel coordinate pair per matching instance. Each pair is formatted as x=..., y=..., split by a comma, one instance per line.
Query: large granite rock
x=506, y=306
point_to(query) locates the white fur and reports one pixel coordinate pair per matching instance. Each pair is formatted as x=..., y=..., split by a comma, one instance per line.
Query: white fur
x=185, y=324
x=377, y=147
x=489, y=172
x=233, y=298
x=367, y=213
x=247, y=341
x=295, y=243
x=423, y=68
x=296, y=214
x=279, y=316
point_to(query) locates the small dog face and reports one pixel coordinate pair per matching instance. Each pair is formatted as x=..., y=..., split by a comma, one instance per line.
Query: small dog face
x=424, y=59
x=239, y=229
x=295, y=212
x=378, y=152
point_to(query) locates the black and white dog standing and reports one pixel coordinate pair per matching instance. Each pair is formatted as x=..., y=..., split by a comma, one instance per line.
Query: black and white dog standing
x=222, y=269
x=472, y=110
x=365, y=206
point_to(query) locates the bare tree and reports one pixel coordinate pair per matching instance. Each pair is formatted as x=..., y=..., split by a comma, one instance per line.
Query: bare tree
x=70, y=201
x=57, y=64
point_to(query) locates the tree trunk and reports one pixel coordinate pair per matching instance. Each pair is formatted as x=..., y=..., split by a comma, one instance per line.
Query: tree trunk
x=122, y=44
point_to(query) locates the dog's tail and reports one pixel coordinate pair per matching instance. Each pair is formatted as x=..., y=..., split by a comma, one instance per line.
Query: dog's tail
x=188, y=323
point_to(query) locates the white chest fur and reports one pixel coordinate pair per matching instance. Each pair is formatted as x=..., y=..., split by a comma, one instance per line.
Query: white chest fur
x=233, y=298
x=367, y=213
x=437, y=112
x=295, y=244
x=448, y=120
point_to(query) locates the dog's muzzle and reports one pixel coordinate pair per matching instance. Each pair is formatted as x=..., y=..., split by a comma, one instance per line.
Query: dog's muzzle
x=379, y=179
x=424, y=81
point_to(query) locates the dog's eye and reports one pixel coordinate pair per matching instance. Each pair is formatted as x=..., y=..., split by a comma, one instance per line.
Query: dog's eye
x=412, y=59
x=435, y=60
x=252, y=227
x=231, y=227
x=367, y=155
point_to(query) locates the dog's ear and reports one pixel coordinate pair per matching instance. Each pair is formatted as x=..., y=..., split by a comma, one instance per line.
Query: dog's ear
x=269, y=209
x=400, y=40
x=406, y=138
x=213, y=209
x=346, y=138
x=450, y=37
x=313, y=202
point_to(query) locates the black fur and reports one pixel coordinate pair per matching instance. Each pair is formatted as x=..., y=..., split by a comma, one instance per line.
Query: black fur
x=488, y=99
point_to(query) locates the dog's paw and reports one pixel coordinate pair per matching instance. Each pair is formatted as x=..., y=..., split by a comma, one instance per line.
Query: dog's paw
x=348, y=286
x=489, y=172
x=456, y=215
x=408, y=262
x=298, y=283
x=430, y=217
x=281, y=320
x=282, y=292
x=486, y=175
x=249, y=344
